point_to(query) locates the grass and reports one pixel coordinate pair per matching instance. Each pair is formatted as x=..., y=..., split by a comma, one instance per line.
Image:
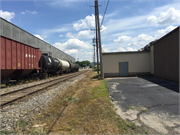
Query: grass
x=138, y=108
x=3, y=132
x=130, y=107
x=84, y=108
x=95, y=68
x=21, y=123
x=144, y=110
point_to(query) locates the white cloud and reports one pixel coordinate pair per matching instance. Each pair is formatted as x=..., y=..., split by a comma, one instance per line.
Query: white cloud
x=81, y=34
x=76, y=48
x=123, y=39
x=143, y=37
x=72, y=44
x=63, y=3
x=169, y=17
x=38, y=36
x=60, y=35
x=162, y=32
x=152, y=20
x=120, y=49
x=61, y=46
x=103, y=28
x=125, y=24
x=23, y=13
x=140, y=41
x=85, y=34
x=30, y=12
x=134, y=25
x=72, y=51
x=47, y=32
x=7, y=15
x=130, y=49
x=70, y=35
x=106, y=50
x=86, y=23
x=84, y=55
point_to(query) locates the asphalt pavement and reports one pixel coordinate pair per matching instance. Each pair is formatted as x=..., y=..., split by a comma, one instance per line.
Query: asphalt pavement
x=151, y=103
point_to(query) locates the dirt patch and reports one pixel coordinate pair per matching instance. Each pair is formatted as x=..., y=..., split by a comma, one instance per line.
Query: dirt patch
x=85, y=108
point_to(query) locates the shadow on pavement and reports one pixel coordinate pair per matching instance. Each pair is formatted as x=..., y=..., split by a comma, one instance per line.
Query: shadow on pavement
x=174, y=86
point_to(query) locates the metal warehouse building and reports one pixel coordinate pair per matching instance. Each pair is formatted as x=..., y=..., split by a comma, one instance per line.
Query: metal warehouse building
x=11, y=31
x=162, y=60
x=166, y=56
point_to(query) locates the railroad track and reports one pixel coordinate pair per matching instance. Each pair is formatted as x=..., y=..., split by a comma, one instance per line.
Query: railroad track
x=15, y=82
x=13, y=96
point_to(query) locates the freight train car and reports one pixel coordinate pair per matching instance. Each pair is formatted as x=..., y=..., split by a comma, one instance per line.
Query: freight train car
x=17, y=59
x=50, y=65
x=64, y=66
x=20, y=61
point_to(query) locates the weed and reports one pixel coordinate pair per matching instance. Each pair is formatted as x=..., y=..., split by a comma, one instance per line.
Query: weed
x=71, y=99
x=132, y=125
x=144, y=110
x=146, y=132
x=93, y=114
x=130, y=107
x=21, y=123
x=38, y=130
x=3, y=132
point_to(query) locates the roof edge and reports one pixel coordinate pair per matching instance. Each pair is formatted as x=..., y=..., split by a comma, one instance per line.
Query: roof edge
x=165, y=36
x=125, y=52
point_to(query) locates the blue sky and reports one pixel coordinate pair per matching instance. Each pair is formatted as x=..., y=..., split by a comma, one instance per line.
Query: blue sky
x=128, y=24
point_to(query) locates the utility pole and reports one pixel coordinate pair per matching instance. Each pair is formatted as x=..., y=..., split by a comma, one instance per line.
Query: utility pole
x=99, y=36
x=96, y=39
x=94, y=56
x=96, y=43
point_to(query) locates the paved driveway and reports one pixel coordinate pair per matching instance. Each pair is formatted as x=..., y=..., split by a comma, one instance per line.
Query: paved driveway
x=150, y=102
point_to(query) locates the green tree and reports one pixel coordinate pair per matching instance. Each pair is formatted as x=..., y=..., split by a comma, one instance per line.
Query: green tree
x=83, y=63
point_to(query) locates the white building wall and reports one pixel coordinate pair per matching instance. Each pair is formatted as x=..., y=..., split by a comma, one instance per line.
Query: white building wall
x=138, y=63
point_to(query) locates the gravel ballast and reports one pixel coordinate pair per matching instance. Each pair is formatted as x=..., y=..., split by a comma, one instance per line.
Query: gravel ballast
x=26, y=109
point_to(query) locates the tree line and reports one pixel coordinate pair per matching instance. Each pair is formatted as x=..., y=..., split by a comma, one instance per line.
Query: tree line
x=83, y=63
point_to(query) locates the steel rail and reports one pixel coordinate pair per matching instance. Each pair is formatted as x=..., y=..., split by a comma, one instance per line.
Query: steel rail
x=59, y=80
x=35, y=85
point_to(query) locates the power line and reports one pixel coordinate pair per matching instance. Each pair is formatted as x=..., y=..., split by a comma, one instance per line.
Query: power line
x=103, y=6
x=104, y=13
x=87, y=7
x=88, y=11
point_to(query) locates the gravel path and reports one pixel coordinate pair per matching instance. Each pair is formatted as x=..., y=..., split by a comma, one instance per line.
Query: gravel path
x=26, y=110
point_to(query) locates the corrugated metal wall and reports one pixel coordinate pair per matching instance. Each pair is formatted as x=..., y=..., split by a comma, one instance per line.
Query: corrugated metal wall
x=166, y=56
x=15, y=33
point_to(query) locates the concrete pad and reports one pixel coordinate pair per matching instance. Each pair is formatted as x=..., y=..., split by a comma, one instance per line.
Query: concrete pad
x=147, y=101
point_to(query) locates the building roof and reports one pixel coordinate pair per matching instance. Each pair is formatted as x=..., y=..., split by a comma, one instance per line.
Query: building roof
x=153, y=42
x=124, y=52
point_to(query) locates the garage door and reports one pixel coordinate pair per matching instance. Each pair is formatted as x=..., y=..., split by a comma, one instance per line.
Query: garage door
x=123, y=69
